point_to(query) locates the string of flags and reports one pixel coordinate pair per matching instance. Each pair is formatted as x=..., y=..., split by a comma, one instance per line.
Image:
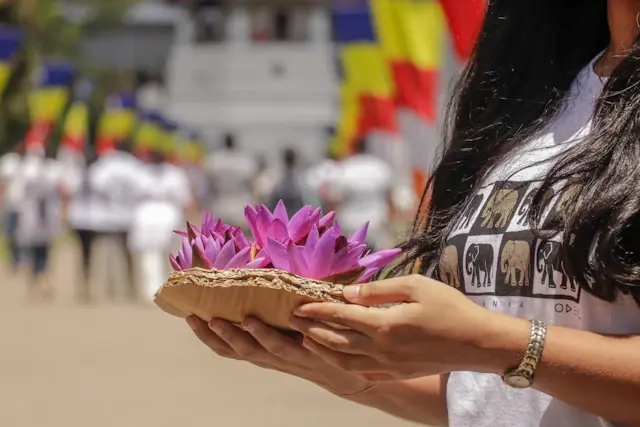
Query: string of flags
x=60, y=99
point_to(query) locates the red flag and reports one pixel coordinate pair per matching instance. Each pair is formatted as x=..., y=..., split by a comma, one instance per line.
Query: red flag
x=465, y=21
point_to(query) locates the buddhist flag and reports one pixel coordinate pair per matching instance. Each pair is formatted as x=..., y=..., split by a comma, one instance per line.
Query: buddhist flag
x=411, y=34
x=348, y=129
x=465, y=19
x=47, y=102
x=189, y=147
x=147, y=134
x=368, y=85
x=167, y=143
x=195, y=150
x=11, y=40
x=76, y=127
x=117, y=122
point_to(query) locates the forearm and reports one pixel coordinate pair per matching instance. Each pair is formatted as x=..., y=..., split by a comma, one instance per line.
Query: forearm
x=422, y=400
x=596, y=373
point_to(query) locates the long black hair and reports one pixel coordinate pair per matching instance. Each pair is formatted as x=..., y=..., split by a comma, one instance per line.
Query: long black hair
x=527, y=56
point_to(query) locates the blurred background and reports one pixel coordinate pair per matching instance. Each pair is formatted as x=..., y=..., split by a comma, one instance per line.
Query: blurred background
x=121, y=119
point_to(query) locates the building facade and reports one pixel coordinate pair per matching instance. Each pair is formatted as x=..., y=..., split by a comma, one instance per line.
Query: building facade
x=262, y=70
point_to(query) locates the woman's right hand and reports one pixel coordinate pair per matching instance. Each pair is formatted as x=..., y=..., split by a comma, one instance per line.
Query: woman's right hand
x=267, y=348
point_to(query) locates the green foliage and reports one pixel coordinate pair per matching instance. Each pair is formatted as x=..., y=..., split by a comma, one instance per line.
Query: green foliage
x=51, y=35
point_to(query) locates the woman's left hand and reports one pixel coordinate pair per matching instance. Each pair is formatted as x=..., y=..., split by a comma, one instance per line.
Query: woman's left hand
x=435, y=330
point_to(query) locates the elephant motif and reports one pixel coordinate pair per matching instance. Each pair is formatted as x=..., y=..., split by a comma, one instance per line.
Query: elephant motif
x=515, y=259
x=523, y=212
x=449, y=266
x=566, y=200
x=549, y=261
x=479, y=258
x=465, y=220
x=499, y=208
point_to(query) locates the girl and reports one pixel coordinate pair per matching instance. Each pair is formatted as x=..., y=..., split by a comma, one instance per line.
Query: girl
x=531, y=316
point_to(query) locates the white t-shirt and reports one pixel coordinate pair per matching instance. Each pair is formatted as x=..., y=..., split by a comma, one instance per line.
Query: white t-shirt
x=166, y=194
x=10, y=180
x=40, y=207
x=493, y=258
x=363, y=183
x=117, y=181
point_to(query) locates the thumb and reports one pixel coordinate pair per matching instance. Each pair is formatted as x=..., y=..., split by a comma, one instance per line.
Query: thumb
x=379, y=293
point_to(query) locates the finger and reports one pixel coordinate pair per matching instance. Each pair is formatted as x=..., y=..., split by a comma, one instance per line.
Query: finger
x=241, y=342
x=274, y=342
x=211, y=340
x=343, y=341
x=354, y=317
x=347, y=362
x=401, y=289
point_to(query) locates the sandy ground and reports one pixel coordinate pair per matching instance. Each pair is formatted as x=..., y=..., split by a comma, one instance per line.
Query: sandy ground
x=121, y=365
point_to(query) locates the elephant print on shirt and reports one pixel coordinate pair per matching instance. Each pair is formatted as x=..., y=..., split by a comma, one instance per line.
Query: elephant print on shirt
x=514, y=261
x=473, y=207
x=549, y=260
x=566, y=200
x=479, y=258
x=499, y=209
x=449, y=272
x=523, y=212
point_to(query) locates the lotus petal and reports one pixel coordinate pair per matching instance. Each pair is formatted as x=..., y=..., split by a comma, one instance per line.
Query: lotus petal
x=360, y=236
x=379, y=259
x=278, y=254
x=224, y=256
x=280, y=212
x=239, y=260
x=300, y=224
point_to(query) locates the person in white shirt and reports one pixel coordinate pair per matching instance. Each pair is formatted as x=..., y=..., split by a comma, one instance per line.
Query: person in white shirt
x=231, y=172
x=116, y=180
x=40, y=217
x=166, y=196
x=361, y=190
x=82, y=213
x=319, y=178
x=11, y=193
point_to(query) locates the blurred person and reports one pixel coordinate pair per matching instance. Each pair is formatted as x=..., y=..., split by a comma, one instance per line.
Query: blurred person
x=83, y=211
x=11, y=194
x=263, y=182
x=231, y=171
x=40, y=217
x=166, y=198
x=291, y=188
x=361, y=191
x=116, y=179
x=319, y=177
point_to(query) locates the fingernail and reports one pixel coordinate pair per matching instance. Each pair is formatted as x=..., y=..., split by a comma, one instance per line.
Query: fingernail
x=351, y=292
x=249, y=326
x=191, y=322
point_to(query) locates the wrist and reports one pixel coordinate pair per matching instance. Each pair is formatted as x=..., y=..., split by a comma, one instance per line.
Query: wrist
x=502, y=344
x=347, y=385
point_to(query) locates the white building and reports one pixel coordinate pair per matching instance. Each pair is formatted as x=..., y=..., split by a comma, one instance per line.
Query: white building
x=260, y=69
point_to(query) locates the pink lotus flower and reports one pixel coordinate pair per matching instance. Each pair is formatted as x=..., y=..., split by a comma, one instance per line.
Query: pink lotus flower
x=216, y=245
x=265, y=225
x=330, y=256
x=307, y=244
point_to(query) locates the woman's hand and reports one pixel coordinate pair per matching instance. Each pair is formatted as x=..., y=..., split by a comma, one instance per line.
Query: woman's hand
x=435, y=330
x=265, y=347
